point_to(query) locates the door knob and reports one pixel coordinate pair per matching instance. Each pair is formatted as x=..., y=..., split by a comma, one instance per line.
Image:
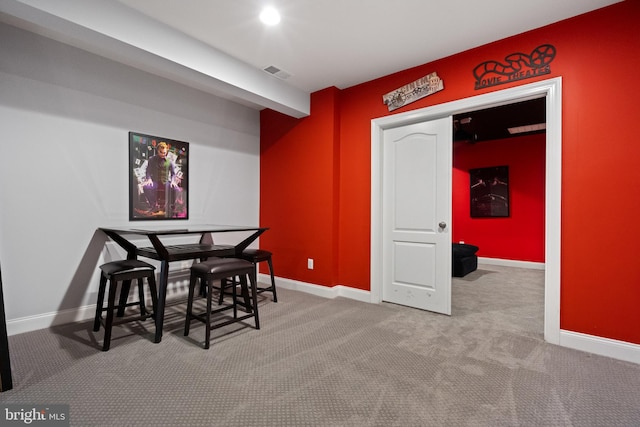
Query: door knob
x=442, y=224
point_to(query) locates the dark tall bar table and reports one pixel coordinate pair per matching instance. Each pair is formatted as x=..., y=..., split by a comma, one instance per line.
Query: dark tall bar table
x=128, y=239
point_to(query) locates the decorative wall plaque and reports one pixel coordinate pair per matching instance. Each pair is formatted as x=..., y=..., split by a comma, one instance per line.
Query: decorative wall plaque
x=404, y=95
x=517, y=66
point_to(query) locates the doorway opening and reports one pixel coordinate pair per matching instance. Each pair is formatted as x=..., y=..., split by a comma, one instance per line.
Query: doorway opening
x=508, y=143
x=551, y=91
x=498, y=205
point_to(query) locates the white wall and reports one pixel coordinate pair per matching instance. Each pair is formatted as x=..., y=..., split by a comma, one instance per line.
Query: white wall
x=65, y=115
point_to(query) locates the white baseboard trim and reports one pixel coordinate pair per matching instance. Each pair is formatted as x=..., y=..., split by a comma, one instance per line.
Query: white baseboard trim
x=322, y=291
x=180, y=289
x=615, y=349
x=511, y=263
x=48, y=320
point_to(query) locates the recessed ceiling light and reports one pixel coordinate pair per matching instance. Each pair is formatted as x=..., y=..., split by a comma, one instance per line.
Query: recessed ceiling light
x=270, y=16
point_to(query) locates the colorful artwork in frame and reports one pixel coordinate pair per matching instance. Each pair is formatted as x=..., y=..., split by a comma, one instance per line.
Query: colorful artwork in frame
x=158, y=178
x=489, y=192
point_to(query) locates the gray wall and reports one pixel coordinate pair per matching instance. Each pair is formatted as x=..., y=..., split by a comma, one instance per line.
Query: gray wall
x=65, y=115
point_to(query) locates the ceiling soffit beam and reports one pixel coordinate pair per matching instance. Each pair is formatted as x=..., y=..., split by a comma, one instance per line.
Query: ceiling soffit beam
x=115, y=31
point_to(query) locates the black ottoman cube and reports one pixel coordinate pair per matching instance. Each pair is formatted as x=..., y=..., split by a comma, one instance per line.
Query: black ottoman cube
x=463, y=259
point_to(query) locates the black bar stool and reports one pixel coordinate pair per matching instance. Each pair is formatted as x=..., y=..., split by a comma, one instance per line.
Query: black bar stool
x=255, y=256
x=222, y=269
x=120, y=271
x=259, y=255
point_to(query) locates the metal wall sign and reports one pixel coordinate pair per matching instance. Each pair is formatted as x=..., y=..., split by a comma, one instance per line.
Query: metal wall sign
x=411, y=92
x=517, y=66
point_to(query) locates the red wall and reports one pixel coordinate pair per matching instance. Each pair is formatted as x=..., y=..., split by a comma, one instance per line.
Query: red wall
x=316, y=171
x=298, y=194
x=521, y=235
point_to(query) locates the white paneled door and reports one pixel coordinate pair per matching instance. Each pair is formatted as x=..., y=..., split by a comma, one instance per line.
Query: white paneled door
x=416, y=200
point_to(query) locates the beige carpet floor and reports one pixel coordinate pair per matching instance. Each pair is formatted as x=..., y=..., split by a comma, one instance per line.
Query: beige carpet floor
x=323, y=362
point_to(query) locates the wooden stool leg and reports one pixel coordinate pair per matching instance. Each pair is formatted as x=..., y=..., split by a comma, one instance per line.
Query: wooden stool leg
x=207, y=337
x=192, y=287
x=124, y=295
x=100, y=302
x=154, y=294
x=244, y=292
x=254, y=295
x=223, y=285
x=203, y=291
x=273, y=280
x=234, y=297
x=111, y=306
x=143, y=309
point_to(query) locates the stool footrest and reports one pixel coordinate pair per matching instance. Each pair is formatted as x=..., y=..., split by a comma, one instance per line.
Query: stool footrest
x=127, y=319
x=201, y=316
x=119, y=306
x=216, y=325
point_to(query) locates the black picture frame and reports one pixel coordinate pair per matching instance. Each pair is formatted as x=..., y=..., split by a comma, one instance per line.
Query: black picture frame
x=158, y=187
x=489, y=192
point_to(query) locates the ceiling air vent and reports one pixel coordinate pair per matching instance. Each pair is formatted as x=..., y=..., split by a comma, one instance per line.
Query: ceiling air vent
x=275, y=71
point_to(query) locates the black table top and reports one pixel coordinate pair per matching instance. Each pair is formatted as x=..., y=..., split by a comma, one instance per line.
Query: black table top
x=160, y=230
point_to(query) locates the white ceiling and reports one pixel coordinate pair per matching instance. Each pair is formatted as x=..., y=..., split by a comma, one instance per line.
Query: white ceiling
x=324, y=43
x=221, y=47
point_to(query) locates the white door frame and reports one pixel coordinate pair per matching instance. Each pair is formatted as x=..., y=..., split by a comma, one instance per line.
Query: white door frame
x=552, y=90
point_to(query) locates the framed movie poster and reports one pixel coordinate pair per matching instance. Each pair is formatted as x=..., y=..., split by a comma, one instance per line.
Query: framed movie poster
x=158, y=178
x=489, y=192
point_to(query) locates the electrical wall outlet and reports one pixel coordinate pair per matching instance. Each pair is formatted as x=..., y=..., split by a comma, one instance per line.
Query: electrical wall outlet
x=310, y=263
